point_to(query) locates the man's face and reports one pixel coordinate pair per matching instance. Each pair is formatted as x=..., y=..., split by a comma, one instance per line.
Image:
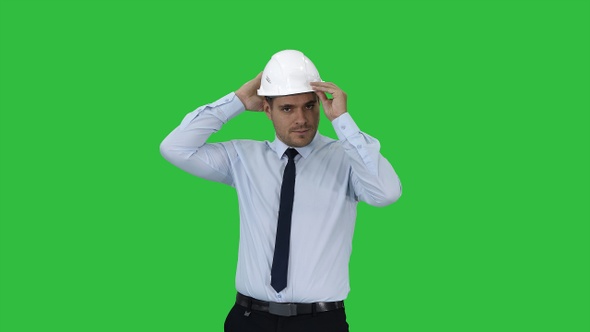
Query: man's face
x=295, y=118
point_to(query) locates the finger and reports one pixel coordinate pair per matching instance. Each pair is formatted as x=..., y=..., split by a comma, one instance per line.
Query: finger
x=328, y=85
x=322, y=96
x=330, y=88
x=258, y=77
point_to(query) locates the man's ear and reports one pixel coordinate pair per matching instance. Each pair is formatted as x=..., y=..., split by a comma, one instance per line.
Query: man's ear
x=266, y=108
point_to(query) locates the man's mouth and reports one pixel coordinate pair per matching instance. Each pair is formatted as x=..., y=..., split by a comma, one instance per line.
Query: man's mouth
x=300, y=131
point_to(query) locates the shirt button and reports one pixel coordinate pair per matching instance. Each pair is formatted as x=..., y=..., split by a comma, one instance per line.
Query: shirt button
x=359, y=146
x=279, y=296
x=343, y=127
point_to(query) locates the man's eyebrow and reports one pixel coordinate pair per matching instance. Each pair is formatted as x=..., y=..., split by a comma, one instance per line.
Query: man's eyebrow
x=292, y=105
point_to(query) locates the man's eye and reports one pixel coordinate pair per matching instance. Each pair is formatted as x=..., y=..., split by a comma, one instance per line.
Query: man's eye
x=286, y=109
x=309, y=107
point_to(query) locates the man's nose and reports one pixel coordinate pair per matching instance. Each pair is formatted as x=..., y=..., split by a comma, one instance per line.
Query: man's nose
x=300, y=116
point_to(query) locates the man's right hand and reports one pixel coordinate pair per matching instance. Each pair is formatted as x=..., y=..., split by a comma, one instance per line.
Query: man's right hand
x=248, y=95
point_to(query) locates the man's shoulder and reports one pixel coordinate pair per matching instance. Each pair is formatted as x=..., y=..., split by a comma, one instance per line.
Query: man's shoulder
x=329, y=143
x=326, y=139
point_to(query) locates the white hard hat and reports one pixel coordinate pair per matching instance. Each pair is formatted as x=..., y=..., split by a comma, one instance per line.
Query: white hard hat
x=287, y=73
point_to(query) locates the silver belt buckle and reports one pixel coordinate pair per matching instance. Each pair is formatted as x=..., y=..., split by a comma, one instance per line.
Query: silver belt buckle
x=282, y=309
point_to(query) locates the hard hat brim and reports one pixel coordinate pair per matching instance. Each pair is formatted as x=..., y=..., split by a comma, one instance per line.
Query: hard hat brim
x=262, y=93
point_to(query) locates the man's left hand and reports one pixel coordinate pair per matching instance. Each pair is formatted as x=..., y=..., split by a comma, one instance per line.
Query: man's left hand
x=334, y=107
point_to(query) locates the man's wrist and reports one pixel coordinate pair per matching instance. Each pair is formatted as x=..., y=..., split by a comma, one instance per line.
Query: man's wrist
x=241, y=97
x=344, y=126
x=227, y=107
x=336, y=117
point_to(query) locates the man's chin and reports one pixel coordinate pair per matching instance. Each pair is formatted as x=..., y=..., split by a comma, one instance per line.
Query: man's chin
x=298, y=140
x=302, y=139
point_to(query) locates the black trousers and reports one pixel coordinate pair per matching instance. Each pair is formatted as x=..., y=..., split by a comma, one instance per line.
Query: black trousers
x=240, y=319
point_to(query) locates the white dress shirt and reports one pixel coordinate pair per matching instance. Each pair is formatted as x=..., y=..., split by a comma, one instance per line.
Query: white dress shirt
x=331, y=177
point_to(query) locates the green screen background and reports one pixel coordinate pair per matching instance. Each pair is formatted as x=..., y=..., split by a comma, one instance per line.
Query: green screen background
x=482, y=107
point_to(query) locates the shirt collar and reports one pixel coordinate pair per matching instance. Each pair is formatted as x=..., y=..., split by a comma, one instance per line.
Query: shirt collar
x=279, y=147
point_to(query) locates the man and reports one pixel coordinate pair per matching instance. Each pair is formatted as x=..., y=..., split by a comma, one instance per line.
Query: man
x=297, y=194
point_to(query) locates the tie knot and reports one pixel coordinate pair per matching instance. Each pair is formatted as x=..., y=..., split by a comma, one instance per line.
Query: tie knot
x=291, y=153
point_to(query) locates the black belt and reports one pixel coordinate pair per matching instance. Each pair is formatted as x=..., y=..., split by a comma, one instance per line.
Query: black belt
x=287, y=309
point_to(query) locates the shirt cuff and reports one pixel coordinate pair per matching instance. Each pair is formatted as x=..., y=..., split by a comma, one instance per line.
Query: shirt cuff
x=227, y=107
x=345, y=127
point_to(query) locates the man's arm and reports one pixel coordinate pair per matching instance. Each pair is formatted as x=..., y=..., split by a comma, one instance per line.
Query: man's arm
x=373, y=178
x=186, y=146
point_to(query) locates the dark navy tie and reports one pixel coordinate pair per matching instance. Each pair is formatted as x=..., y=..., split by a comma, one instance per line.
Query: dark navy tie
x=280, y=262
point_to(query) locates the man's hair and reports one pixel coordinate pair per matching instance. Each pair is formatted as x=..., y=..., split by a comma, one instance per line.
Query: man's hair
x=270, y=99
